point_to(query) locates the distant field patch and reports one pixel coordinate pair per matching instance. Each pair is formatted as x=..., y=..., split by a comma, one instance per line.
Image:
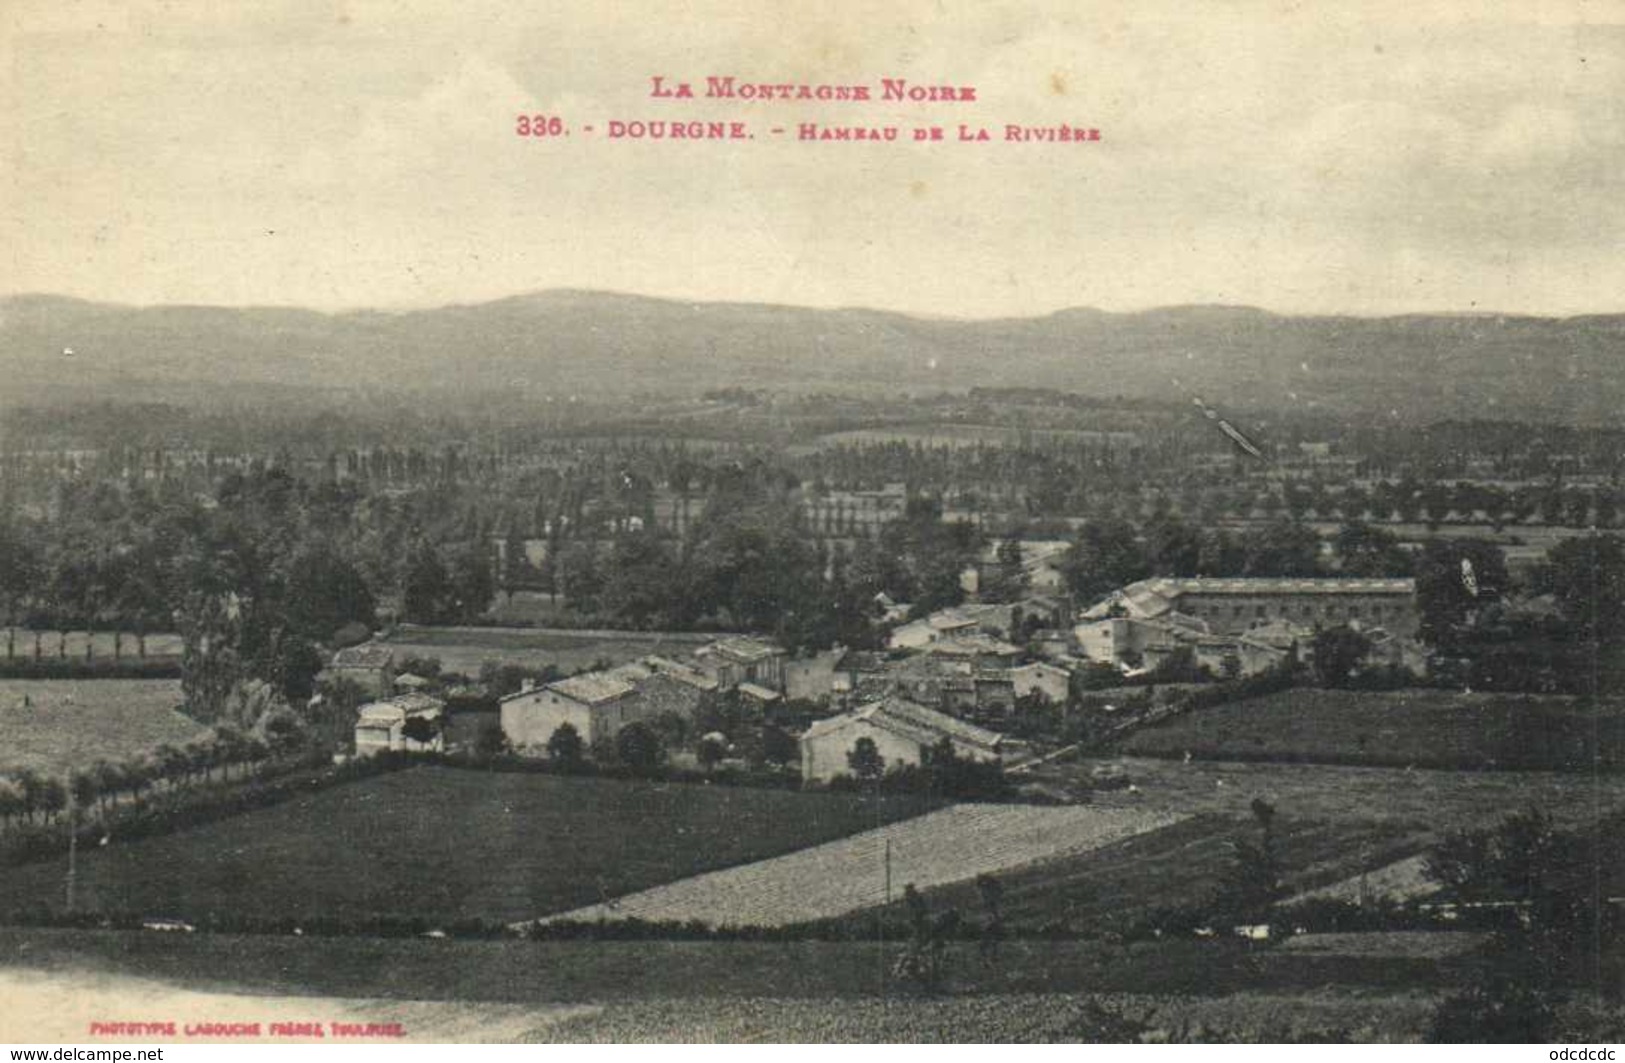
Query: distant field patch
x=1113, y=887
x=950, y=845
x=970, y=435
x=1435, y=800
x=465, y=649
x=449, y=843
x=55, y=724
x=1424, y=728
x=1334, y=823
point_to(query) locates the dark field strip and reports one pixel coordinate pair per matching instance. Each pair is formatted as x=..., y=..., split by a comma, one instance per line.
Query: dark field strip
x=1420, y=728
x=1117, y=886
x=587, y=972
x=451, y=844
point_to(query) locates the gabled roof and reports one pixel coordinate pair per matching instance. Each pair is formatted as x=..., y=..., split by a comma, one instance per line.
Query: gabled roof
x=949, y=620
x=910, y=720
x=1039, y=666
x=592, y=688
x=366, y=655
x=1153, y=597
x=679, y=671
x=633, y=672
x=760, y=693
x=742, y=650
x=397, y=708
x=970, y=645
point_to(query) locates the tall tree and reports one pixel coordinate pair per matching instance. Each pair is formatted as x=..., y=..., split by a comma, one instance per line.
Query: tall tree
x=1587, y=577
x=1369, y=552
x=1455, y=580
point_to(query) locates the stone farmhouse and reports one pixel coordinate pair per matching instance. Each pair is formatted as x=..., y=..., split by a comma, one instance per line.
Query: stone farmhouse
x=903, y=732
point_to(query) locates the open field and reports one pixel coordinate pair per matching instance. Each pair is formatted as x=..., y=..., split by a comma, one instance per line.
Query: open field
x=1402, y=880
x=1333, y=824
x=1438, y=728
x=949, y=845
x=60, y=1005
x=66, y=1006
x=535, y=608
x=446, y=843
x=465, y=649
x=576, y=972
x=1436, y=800
x=971, y=435
x=69, y=722
x=1116, y=886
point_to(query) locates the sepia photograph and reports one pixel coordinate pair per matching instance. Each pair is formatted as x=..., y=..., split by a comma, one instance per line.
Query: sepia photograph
x=938, y=522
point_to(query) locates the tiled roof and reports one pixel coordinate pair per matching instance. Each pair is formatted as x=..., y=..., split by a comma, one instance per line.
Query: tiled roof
x=680, y=672
x=1153, y=597
x=593, y=688
x=366, y=655
x=632, y=672
x=1168, y=587
x=742, y=650
x=400, y=707
x=965, y=645
x=911, y=720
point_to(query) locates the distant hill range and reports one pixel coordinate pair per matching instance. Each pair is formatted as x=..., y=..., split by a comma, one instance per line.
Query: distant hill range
x=1422, y=367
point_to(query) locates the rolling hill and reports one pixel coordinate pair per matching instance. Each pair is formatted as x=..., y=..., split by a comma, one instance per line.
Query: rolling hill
x=1420, y=367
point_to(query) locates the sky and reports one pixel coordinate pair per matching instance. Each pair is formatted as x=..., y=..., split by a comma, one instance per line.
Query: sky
x=1367, y=158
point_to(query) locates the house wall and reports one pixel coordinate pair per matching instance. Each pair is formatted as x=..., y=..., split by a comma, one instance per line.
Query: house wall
x=768, y=672
x=369, y=740
x=824, y=757
x=1232, y=614
x=660, y=694
x=1098, y=639
x=995, y=696
x=531, y=718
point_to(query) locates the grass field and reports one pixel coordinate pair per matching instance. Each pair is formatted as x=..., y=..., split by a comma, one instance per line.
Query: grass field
x=1367, y=987
x=465, y=649
x=1333, y=823
x=1115, y=887
x=968, y=435
x=527, y=972
x=69, y=722
x=449, y=843
x=950, y=845
x=1422, y=727
x=1433, y=800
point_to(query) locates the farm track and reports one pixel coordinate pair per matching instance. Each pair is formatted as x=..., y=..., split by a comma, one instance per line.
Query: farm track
x=950, y=845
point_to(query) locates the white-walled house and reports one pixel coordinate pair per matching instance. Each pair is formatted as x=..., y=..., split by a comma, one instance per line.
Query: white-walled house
x=381, y=725
x=903, y=732
x=597, y=705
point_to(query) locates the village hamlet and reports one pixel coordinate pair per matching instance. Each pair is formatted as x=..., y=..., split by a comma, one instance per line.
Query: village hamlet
x=932, y=523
